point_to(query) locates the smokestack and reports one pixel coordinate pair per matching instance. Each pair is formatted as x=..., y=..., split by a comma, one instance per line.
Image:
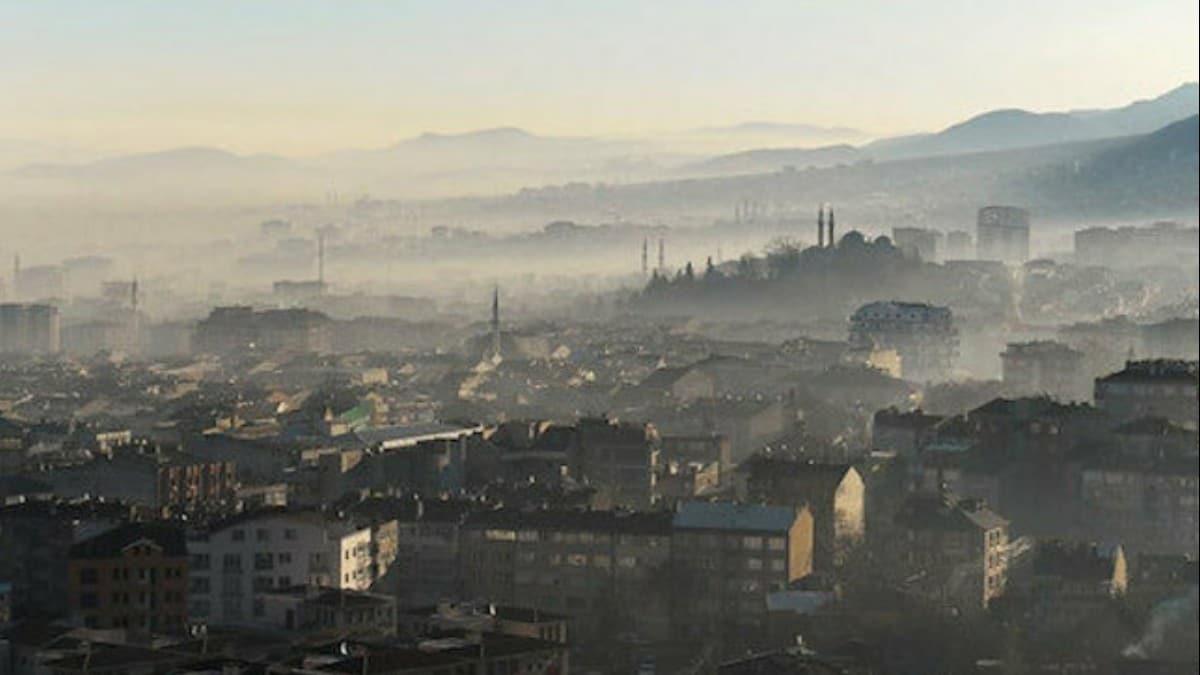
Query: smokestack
x=831, y=238
x=821, y=226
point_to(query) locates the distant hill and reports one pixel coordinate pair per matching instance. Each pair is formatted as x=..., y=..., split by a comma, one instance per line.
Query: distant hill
x=178, y=161
x=505, y=159
x=1158, y=170
x=1151, y=175
x=1007, y=129
x=1014, y=128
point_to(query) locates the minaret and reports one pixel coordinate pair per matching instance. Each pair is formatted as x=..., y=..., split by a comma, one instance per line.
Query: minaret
x=831, y=239
x=645, y=256
x=821, y=226
x=662, y=257
x=321, y=261
x=133, y=304
x=496, y=322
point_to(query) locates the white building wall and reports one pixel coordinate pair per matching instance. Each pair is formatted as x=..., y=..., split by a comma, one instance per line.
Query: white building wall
x=231, y=565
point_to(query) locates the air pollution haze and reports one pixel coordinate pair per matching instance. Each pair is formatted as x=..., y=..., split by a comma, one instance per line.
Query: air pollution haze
x=615, y=337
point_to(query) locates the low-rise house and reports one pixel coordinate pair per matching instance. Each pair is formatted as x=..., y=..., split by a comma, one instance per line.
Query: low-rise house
x=336, y=612
x=504, y=619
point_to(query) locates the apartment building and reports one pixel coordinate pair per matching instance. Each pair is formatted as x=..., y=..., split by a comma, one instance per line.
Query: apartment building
x=133, y=576
x=727, y=557
x=235, y=561
x=594, y=565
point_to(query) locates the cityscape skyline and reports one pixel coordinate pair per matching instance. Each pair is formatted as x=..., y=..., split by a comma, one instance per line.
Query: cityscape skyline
x=309, y=78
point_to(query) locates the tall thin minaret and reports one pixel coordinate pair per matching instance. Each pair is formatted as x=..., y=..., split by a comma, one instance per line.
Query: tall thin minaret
x=831, y=239
x=496, y=321
x=821, y=226
x=662, y=257
x=321, y=260
x=645, y=256
x=133, y=305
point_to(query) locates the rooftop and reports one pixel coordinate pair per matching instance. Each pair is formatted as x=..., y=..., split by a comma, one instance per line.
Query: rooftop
x=624, y=522
x=1156, y=370
x=110, y=544
x=733, y=516
x=945, y=512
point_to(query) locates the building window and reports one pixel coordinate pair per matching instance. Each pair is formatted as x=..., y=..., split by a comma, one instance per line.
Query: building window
x=289, y=534
x=754, y=564
x=752, y=543
x=262, y=534
x=777, y=543
x=87, y=601
x=88, y=576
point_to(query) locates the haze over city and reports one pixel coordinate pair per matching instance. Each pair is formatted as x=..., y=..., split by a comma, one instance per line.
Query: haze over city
x=671, y=338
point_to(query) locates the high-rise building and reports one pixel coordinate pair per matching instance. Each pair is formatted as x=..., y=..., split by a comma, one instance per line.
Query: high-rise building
x=1002, y=233
x=29, y=329
x=1045, y=367
x=918, y=242
x=923, y=335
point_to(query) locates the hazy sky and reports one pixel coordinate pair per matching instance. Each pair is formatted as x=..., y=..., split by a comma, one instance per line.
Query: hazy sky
x=300, y=77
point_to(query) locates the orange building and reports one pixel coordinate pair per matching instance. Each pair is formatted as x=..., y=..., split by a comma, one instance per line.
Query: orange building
x=133, y=576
